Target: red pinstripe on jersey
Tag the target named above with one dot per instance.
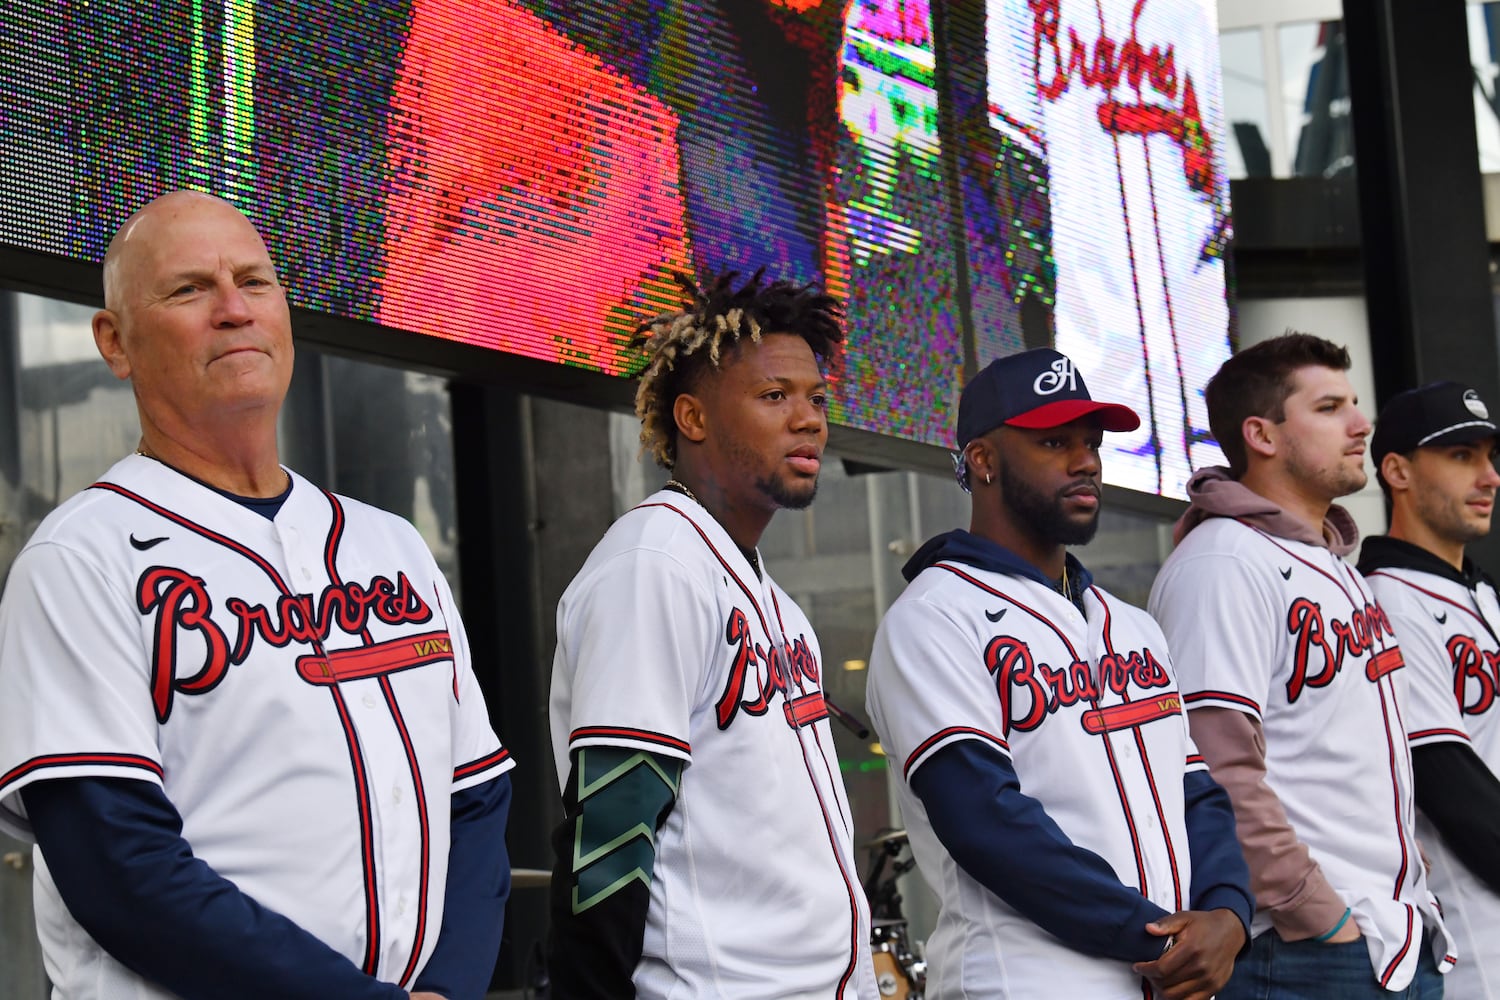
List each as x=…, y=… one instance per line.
x=430, y=648
x=48, y=761
x=949, y=733
x=1158, y=707
x=1211, y=695
x=484, y=763
x=627, y=733
x=1421, y=734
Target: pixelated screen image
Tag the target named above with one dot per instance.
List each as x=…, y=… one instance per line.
x=1097, y=209
x=527, y=175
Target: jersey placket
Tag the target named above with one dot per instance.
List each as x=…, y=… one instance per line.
x=1163, y=859
x=379, y=772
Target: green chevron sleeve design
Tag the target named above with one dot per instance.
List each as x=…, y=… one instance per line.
x=623, y=797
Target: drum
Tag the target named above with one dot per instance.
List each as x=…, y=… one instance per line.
x=889, y=977
x=899, y=974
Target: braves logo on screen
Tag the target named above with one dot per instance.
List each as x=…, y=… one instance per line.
x=1045, y=690
x=778, y=670
x=1476, y=675
x=1333, y=641
x=180, y=605
x=1165, y=103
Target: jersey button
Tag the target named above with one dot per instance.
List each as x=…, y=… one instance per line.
x=396, y=794
x=400, y=905
x=369, y=701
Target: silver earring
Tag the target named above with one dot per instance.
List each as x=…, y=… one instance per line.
x=986, y=479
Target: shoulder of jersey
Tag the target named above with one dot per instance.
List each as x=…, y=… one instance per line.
x=80, y=519
x=956, y=597
x=653, y=529
x=1393, y=588
x=1122, y=611
x=359, y=514
x=1219, y=535
x=936, y=583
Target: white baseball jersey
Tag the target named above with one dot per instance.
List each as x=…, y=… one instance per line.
x=1450, y=638
x=668, y=642
x=1290, y=634
x=299, y=688
x=1121, y=98
x=1086, y=709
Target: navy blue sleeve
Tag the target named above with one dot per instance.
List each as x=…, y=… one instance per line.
x=1005, y=840
x=1221, y=878
x=478, y=885
x=115, y=849
x=1461, y=796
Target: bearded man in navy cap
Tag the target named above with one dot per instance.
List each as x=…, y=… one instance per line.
x=1054, y=800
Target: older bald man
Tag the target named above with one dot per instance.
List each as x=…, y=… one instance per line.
x=237, y=712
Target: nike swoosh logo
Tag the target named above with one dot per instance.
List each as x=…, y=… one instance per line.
x=995, y=616
x=1442, y=619
x=142, y=544
x=1286, y=574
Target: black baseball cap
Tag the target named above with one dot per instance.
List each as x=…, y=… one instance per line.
x=1037, y=389
x=1441, y=413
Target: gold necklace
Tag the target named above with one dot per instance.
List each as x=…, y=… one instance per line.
x=751, y=556
x=679, y=487
x=1064, y=588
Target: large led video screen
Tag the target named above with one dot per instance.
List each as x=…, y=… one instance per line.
x=527, y=175
x=1098, y=209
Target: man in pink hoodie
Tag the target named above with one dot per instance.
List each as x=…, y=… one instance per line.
x=1289, y=670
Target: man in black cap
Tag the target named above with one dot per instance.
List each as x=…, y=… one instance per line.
x=1434, y=451
x=1054, y=800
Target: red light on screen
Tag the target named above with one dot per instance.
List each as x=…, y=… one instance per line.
x=533, y=190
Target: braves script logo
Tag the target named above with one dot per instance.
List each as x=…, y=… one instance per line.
x=1472, y=664
x=1170, y=110
x=1047, y=689
x=1366, y=628
x=777, y=671
x=181, y=605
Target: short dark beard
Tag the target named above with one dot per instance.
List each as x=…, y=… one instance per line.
x=783, y=497
x=1041, y=515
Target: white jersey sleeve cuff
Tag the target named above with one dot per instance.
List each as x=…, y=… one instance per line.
x=635, y=739
x=947, y=737
x=48, y=767
x=1428, y=737
x=1222, y=699
x=477, y=772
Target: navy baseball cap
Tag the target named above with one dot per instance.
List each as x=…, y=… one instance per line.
x=1037, y=389
x=1439, y=413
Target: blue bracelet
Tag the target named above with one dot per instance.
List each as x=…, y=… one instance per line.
x=1336, y=927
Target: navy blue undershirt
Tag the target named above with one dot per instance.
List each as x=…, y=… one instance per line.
x=116, y=852
x=266, y=507
x=1004, y=839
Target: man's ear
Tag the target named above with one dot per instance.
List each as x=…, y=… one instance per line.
x=690, y=417
x=109, y=339
x=982, y=461
x=1395, y=469
x=1260, y=436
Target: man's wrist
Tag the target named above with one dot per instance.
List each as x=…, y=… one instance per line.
x=1324, y=937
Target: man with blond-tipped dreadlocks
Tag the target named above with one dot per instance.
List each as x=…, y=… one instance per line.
x=707, y=845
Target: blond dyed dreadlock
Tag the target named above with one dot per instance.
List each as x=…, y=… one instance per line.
x=682, y=346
